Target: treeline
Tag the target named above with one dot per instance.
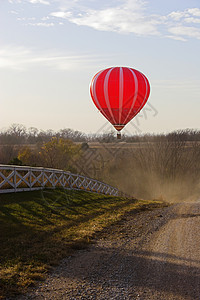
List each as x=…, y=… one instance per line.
x=18, y=134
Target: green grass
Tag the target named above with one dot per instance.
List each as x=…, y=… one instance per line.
x=38, y=229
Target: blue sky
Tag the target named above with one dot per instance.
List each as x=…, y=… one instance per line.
x=50, y=50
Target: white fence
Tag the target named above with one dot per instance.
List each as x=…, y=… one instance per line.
x=21, y=178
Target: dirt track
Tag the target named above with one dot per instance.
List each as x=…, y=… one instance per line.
x=148, y=255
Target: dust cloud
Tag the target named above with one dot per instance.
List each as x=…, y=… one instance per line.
x=168, y=170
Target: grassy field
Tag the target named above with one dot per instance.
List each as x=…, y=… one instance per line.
x=38, y=229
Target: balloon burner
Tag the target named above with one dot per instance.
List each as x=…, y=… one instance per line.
x=119, y=136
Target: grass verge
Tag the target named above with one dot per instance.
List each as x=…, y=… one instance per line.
x=38, y=229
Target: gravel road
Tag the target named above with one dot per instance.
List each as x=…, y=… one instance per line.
x=153, y=254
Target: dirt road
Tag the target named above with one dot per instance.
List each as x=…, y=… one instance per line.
x=148, y=255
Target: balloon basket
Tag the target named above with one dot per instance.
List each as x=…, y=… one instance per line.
x=119, y=136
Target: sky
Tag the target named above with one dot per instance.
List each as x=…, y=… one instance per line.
x=51, y=49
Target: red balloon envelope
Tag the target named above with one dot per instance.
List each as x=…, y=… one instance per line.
x=119, y=94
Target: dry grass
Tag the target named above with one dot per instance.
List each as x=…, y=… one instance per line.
x=40, y=228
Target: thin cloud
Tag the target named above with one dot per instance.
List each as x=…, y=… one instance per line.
x=61, y=14
x=14, y=12
x=122, y=16
x=179, y=22
x=192, y=20
x=39, y=2
x=42, y=24
x=30, y=1
x=132, y=17
x=194, y=11
x=186, y=31
x=177, y=15
x=174, y=84
x=118, y=21
x=128, y=17
x=21, y=59
x=14, y=1
x=177, y=38
x=185, y=14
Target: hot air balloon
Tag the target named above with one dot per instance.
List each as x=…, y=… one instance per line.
x=119, y=93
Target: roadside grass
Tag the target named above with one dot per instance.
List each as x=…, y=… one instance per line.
x=39, y=228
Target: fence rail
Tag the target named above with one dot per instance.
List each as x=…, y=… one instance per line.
x=23, y=178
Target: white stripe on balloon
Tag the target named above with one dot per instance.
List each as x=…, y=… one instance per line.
x=145, y=80
x=106, y=94
x=135, y=95
x=121, y=91
x=95, y=94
